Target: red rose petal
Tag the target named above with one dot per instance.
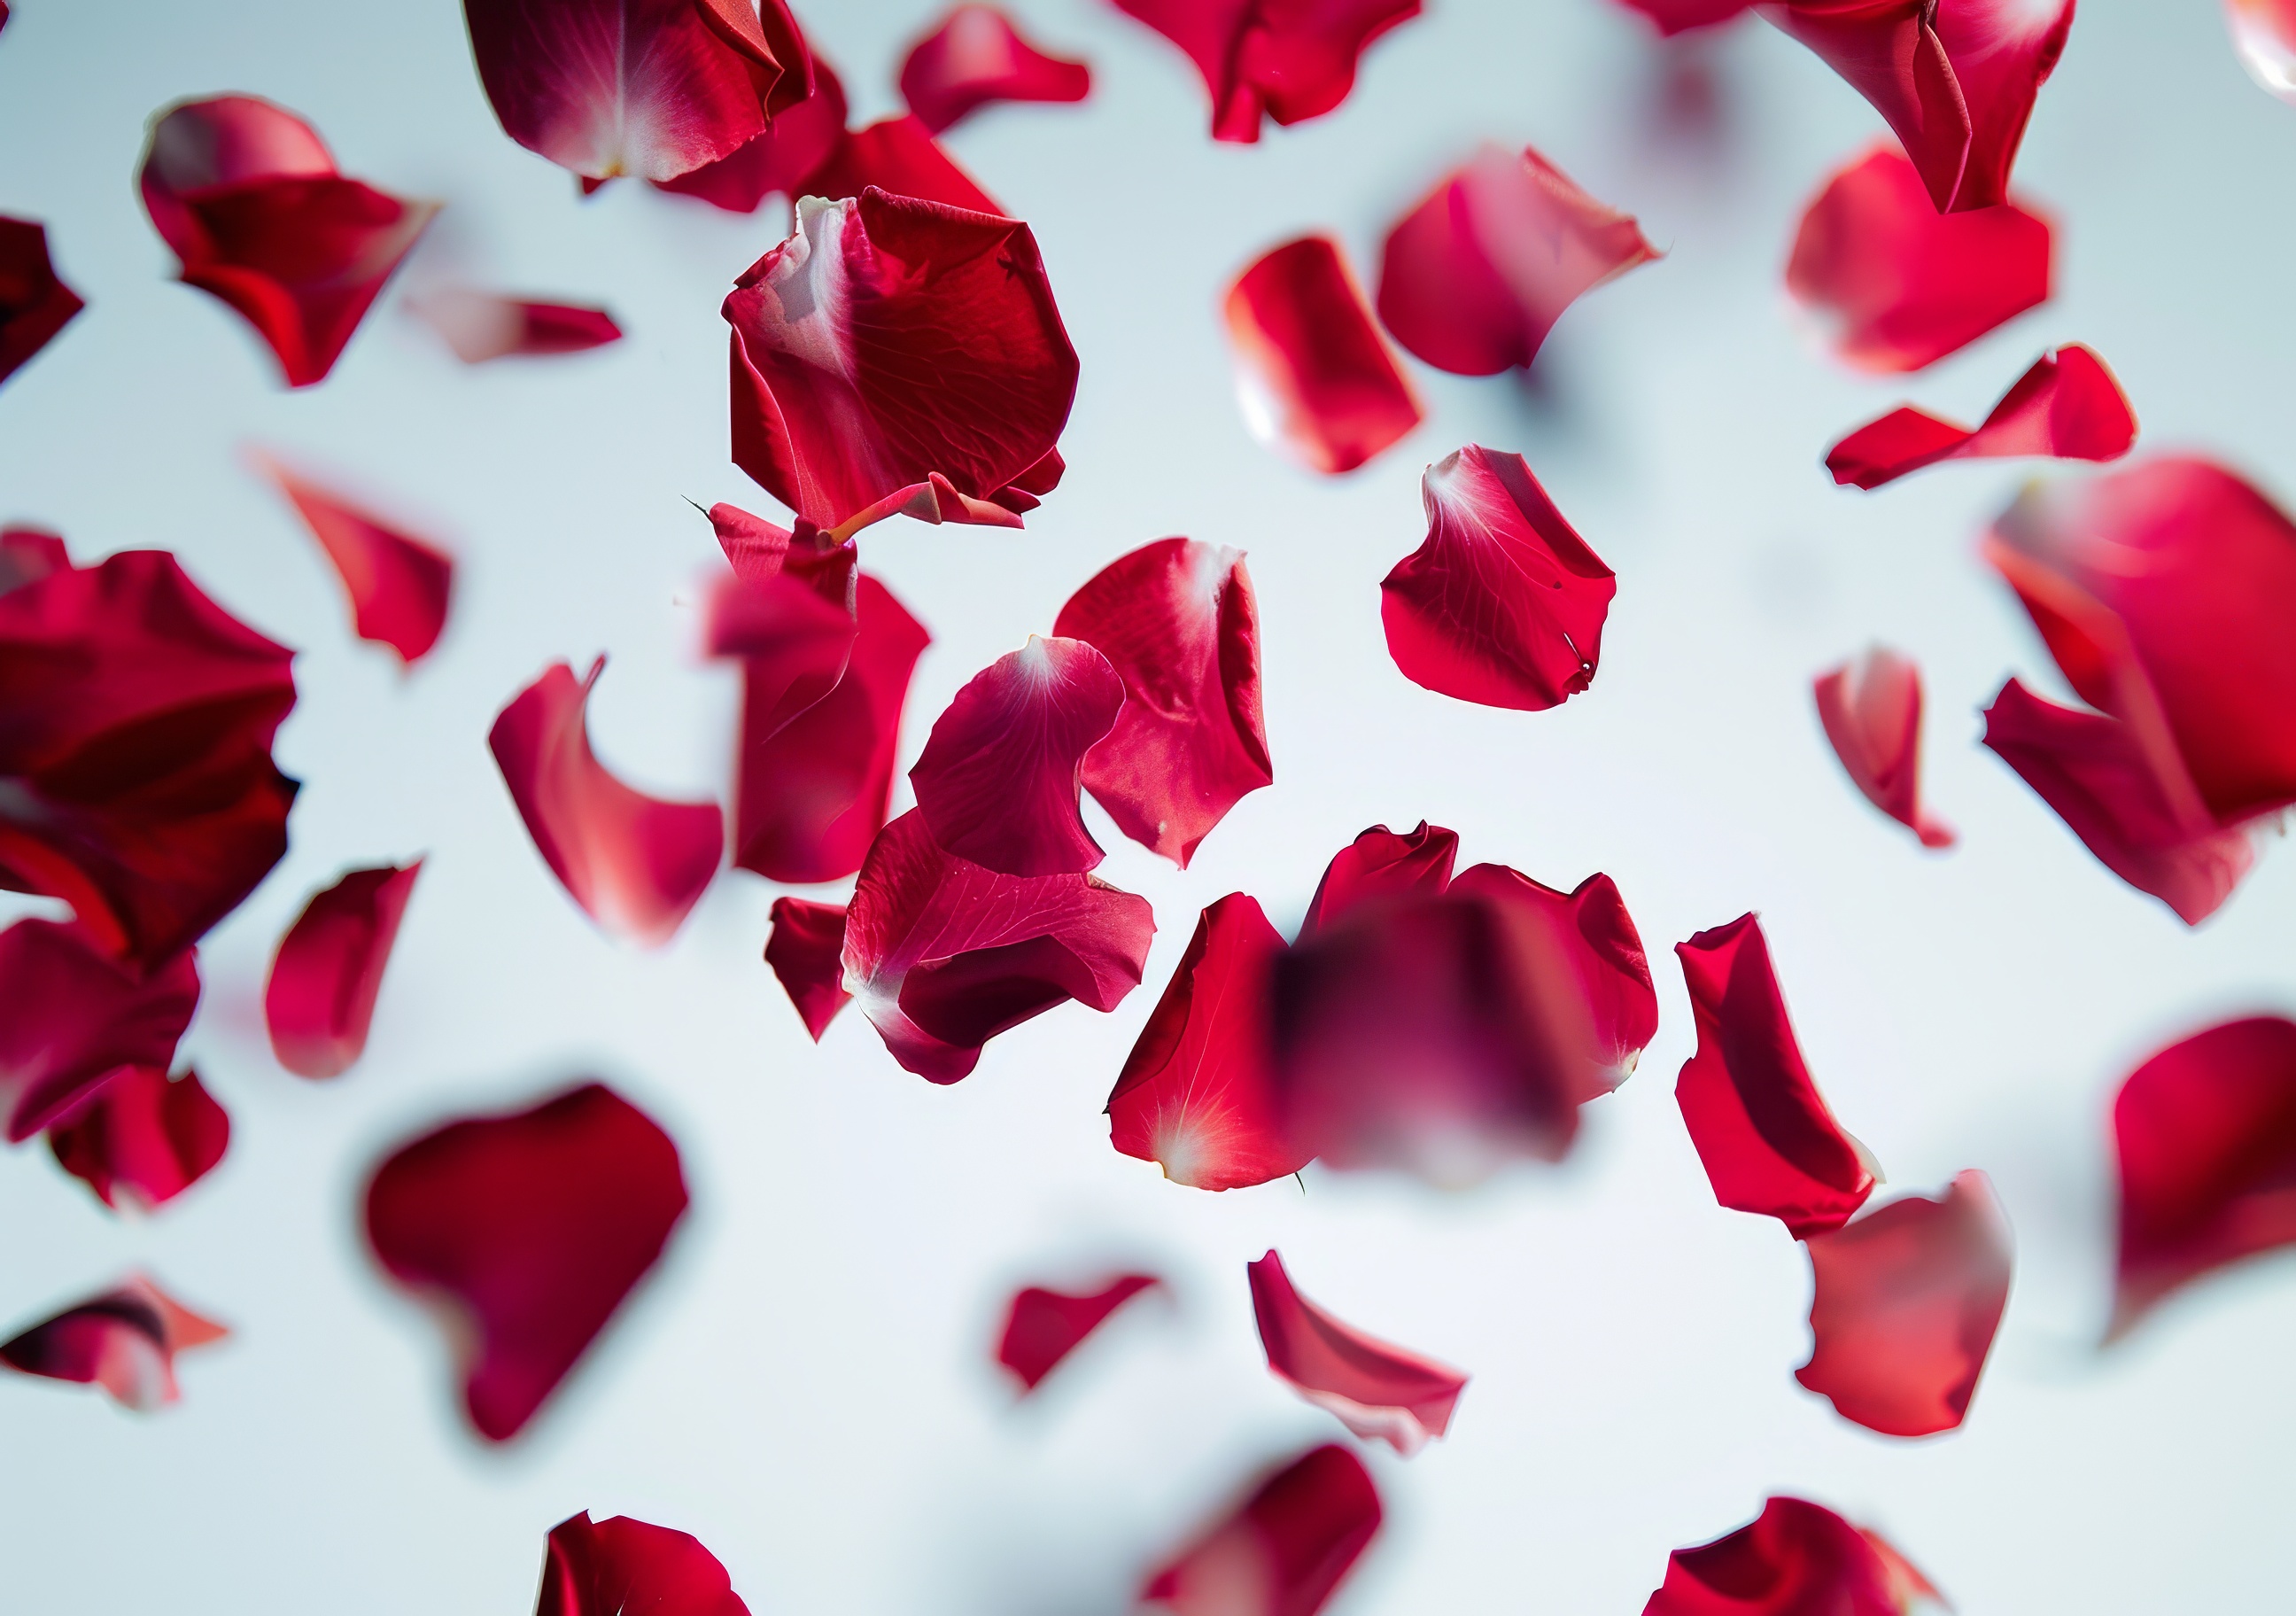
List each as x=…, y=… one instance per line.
x=1316, y=383
x=1595, y=934
x=778, y=163
x=398, y=586
x=945, y=955
x=1196, y=1094
x=531, y=1228
x=29, y=554
x=2264, y=36
x=72, y=1016
x=1475, y=276
x=1042, y=1327
x=899, y=156
x=619, y=1567
x=1281, y=1552
x=1768, y=1141
x=998, y=780
x=794, y=645
x=807, y=953
x=1378, y=1392
x=141, y=1137
x=35, y=305
x=1672, y=17
x=1503, y=603
x=1287, y=60
x=1381, y=864
x=975, y=56
x=635, y=862
x=1871, y=711
x=124, y=1341
x=1795, y=1559
x=1899, y=285
x=483, y=325
x=2068, y=406
x=320, y=998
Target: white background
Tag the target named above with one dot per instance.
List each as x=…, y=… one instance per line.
x=805, y=1382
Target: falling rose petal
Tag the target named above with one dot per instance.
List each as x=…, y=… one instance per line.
x=804, y=136
x=29, y=554
x=945, y=955
x=247, y=196
x=807, y=953
x=1595, y=934
x=794, y=645
x=72, y=1016
x=1795, y=1559
x=1287, y=60
x=483, y=325
x=1378, y=1392
x=1381, y=864
x=320, y=998
x=1897, y=284
x=1672, y=17
x=1768, y=1141
x=1503, y=603
x=398, y=586
x=973, y=57
x=1042, y=1327
x=1313, y=379
x=755, y=548
x=142, y=1137
x=530, y=1230
x=35, y=304
x=124, y=1341
x=900, y=157
x=1475, y=276
x=890, y=340
x=1871, y=707
x=2068, y=406
x=998, y=780
x=618, y=1566
x=1281, y=1552
x=1196, y=1095
x=2264, y=35
x=635, y=862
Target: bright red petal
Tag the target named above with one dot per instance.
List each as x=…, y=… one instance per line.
x=1316, y=383
x=483, y=325
x=794, y=645
x=1287, y=60
x=807, y=953
x=71, y=1017
x=803, y=137
x=1281, y=1552
x=975, y=57
x=1795, y=1559
x=1871, y=711
x=1380, y=863
x=2068, y=406
x=141, y=1137
x=124, y=1341
x=35, y=305
x=29, y=554
x=1042, y=1327
x=530, y=1230
x=899, y=156
x=1378, y=1392
x=620, y=1567
x=1672, y=17
x=320, y=998
x=398, y=586
x=1595, y=934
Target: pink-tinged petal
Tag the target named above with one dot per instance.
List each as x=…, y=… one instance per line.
x=142, y=1137
x=807, y=953
x=945, y=955
x=528, y=1231
x=35, y=304
x=1380, y=863
x=1281, y=1552
x=1476, y=276
x=1179, y=622
x=1872, y=710
x=974, y=56
x=1672, y=17
x=1795, y=1559
x=778, y=163
x=1899, y=285
x=1597, y=935
x=999, y=781
x=794, y=645
x=1313, y=379
x=483, y=325
x=1503, y=603
x=320, y=998
x=635, y=862
x=1287, y=60
x=399, y=586
x=124, y=1341
x=1907, y=1301
x=2264, y=34
x=2068, y=407
x=1196, y=1096
x=622, y=1567
x=1379, y=1391
x=29, y=554
x=1768, y=1141
x=1042, y=1327
x=890, y=338
x=900, y=157
x=755, y=548
x=72, y=1016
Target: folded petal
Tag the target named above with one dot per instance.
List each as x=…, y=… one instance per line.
x=72, y=1017
x=1287, y=60
x=1597, y=936
x=635, y=862
x=619, y=1566
x=1871, y=711
x=1281, y=1552
x=899, y=156
x=1042, y=1327
x=945, y=955
x=1379, y=1391
x=35, y=304
x=528, y=1231
x=1899, y=285
x=1475, y=276
x=141, y=1137
x=794, y=641
x=1380, y=863
x=807, y=953
x=124, y=1341
x=975, y=56
x=1313, y=379
x=2264, y=34
x=1768, y=1141
x=398, y=586
x=483, y=325
x=778, y=163
x=2068, y=406
x=320, y=999
x=1503, y=603
x=1795, y=1559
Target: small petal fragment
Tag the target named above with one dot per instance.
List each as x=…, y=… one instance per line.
x=1795, y=1559
x=29, y=554
x=2264, y=34
x=1871, y=711
x=1381, y=864
x=320, y=999
x=398, y=586
x=1287, y=60
x=807, y=953
x=35, y=304
x=72, y=1016
x=900, y=157
x=804, y=136
x=2068, y=407
x=483, y=325
x=1042, y=1327
x=142, y=1137
x=1313, y=377
x=620, y=1567
x=124, y=1341
x=1283, y=1551
x=974, y=57
x=1597, y=935
x=530, y=1230
x=1378, y=1392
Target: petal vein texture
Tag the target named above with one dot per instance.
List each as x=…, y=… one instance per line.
x=624, y=1567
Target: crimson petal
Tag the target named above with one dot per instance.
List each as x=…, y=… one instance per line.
x=141, y=1137
x=1672, y=17
x=899, y=156
x=1381, y=864
x=1042, y=1327
x=618, y=1566
x=29, y=554
x=1795, y=1559
x=35, y=304
x=1871, y=709
x=1281, y=1552
x=1597, y=935
x=72, y=1017
x=807, y=953
x=320, y=999
x=124, y=1341
x=778, y=163
x=1316, y=383
x=2068, y=406
x=398, y=586
x=1287, y=60
x=483, y=325
x=975, y=56
x=1377, y=1390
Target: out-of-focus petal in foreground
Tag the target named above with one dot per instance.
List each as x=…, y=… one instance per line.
x=483, y=325
x=1502, y=604
x=1379, y=1391
x=1795, y=1559
x=247, y=196
x=124, y=1341
x=70, y=1016
x=1672, y=17
x=777, y=163
x=2067, y=407
x=1380, y=863
x=399, y=586
x=1042, y=1327
x=142, y=1137
x=1592, y=932
x=807, y=950
x=1871, y=707
x=1768, y=1141
x=35, y=304
x=1313, y=376
x=1475, y=276
x=1287, y=60
x=900, y=157
x=1283, y=1551
x=29, y=554
x=319, y=1001
x=622, y=1567
x=2264, y=34
x=975, y=56
x=635, y=862
x=1897, y=285
x=527, y=1231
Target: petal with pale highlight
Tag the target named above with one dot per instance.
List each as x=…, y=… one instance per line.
x=72, y=1016
x=804, y=136
x=974, y=57
x=620, y=1567
x=35, y=304
x=1871, y=709
x=142, y=1137
x=319, y=1001
x=1795, y=1559
x=1283, y=1551
x=1378, y=1392
x=1595, y=934
x=483, y=325
x=398, y=586
x=807, y=953
x=124, y=1341
x=900, y=157
x=1382, y=864
x=1042, y=1327
x=1313, y=377
x=1287, y=60
x=2264, y=35
x=2068, y=407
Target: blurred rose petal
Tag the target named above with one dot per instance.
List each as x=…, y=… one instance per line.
x=320, y=999
x=483, y=325
x=899, y=156
x=1672, y=17
x=124, y=1341
x=1595, y=934
x=1795, y=1559
x=1281, y=1552
x=778, y=163
x=2264, y=34
x=398, y=586
x=1287, y=60
x=807, y=953
x=142, y=1137
x=622, y=1567
x=1042, y=1327
x=72, y=1016
x=29, y=554
x=1378, y=1392
x=1381, y=864
x=1313, y=377
x=35, y=305
x=2068, y=406
x=1871, y=707
x=973, y=57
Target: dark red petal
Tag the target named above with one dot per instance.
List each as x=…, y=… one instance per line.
x=1287, y=60
x=1196, y=1094
x=793, y=645
x=1795, y=1559
x=1595, y=934
x=141, y=1137
x=529, y=1229
x=35, y=305
x=1768, y=1141
x=620, y=1567
x=124, y=1341
x=1281, y=1552
x=2068, y=406
x=778, y=163
x=1042, y=1327
x=1377, y=1390
x=320, y=998
x=1672, y=17
x=806, y=952
x=1899, y=285
x=1380, y=863
x=398, y=586
x=944, y=954
x=635, y=862
x=974, y=56
x=72, y=1016
x=899, y=156
x=1475, y=276
x=1871, y=711
x=483, y=325
x=1316, y=383
x=29, y=554
x=889, y=340
x=998, y=780
x=1503, y=603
